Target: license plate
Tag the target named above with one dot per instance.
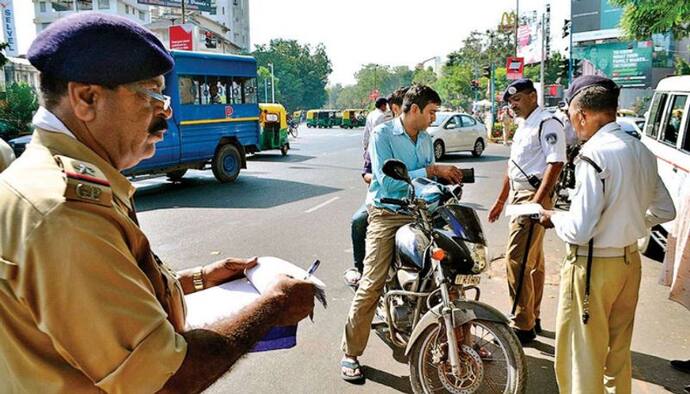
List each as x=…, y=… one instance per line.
x=467, y=280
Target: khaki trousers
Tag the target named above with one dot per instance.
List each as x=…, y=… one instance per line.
x=594, y=358
x=529, y=304
x=380, y=246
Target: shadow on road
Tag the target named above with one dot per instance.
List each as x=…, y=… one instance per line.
x=245, y=192
x=277, y=157
x=399, y=383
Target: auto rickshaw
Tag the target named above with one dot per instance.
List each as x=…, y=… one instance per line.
x=297, y=116
x=311, y=118
x=337, y=119
x=274, y=128
x=323, y=118
x=352, y=118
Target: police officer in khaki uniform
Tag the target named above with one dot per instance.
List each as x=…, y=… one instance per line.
x=536, y=158
x=85, y=306
x=618, y=196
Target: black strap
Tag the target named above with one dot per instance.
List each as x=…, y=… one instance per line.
x=523, y=268
x=590, y=249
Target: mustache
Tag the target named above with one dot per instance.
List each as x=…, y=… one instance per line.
x=158, y=125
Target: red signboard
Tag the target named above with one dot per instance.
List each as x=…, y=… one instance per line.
x=514, y=67
x=181, y=37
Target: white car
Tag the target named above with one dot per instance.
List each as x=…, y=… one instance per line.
x=457, y=132
x=631, y=125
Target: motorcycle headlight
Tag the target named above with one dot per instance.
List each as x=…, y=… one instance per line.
x=480, y=256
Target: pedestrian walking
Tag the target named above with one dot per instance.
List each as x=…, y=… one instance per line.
x=618, y=197
x=536, y=158
x=506, y=119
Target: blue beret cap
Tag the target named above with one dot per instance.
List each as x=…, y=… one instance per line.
x=98, y=48
x=516, y=86
x=586, y=81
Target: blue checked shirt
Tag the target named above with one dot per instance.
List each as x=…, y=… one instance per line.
x=390, y=141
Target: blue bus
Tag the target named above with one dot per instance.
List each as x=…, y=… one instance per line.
x=215, y=117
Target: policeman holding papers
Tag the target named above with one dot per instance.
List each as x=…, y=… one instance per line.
x=536, y=158
x=618, y=196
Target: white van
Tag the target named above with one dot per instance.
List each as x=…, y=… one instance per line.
x=667, y=134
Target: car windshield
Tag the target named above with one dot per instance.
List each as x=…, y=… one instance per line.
x=440, y=118
x=640, y=124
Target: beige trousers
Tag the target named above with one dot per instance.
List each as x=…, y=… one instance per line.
x=594, y=358
x=380, y=247
x=529, y=303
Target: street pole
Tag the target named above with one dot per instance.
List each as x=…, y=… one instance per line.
x=543, y=55
x=517, y=24
x=493, y=94
x=570, y=51
x=183, y=10
x=265, y=90
x=273, y=84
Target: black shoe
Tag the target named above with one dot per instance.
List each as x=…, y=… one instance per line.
x=537, y=326
x=525, y=336
x=680, y=365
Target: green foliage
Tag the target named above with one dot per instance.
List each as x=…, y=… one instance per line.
x=424, y=77
x=300, y=71
x=3, y=58
x=642, y=18
x=17, y=110
x=371, y=76
x=682, y=66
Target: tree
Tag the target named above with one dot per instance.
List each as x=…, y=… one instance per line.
x=333, y=93
x=682, y=67
x=17, y=110
x=642, y=18
x=424, y=76
x=302, y=71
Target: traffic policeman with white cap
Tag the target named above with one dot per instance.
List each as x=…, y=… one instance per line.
x=536, y=158
x=618, y=196
x=85, y=305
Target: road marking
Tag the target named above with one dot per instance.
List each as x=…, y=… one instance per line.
x=323, y=204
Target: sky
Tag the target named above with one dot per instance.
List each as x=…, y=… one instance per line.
x=358, y=32
x=387, y=32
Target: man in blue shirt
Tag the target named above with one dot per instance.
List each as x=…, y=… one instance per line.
x=403, y=138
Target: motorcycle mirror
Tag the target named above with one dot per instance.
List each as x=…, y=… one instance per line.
x=397, y=170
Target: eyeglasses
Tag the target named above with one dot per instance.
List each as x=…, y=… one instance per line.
x=154, y=95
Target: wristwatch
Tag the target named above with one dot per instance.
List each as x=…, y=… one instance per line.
x=198, y=278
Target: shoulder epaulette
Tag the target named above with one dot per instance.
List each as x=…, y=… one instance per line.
x=85, y=182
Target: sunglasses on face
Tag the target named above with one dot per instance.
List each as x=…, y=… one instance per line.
x=154, y=95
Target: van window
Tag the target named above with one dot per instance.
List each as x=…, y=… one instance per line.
x=208, y=90
x=686, y=137
x=673, y=120
x=655, y=111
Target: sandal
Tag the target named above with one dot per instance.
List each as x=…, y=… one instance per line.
x=352, y=365
x=352, y=277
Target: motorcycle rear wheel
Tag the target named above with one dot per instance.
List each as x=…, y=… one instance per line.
x=501, y=370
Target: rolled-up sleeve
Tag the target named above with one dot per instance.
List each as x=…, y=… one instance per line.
x=88, y=295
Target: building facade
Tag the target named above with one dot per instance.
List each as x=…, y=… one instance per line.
x=48, y=11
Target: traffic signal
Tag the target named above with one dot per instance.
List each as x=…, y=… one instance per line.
x=577, y=68
x=566, y=28
x=486, y=71
x=210, y=42
x=563, y=69
x=475, y=84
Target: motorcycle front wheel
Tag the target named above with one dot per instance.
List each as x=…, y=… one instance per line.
x=492, y=361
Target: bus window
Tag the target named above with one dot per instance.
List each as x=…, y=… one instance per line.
x=249, y=88
x=673, y=119
x=188, y=90
x=657, y=108
x=235, y=91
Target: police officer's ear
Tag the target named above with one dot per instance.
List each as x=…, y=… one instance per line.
x=83, y=99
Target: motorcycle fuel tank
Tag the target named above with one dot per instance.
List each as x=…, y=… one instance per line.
x=410, y=243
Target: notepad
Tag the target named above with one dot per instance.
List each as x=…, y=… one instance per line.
x=533, y=210
x=208, y=306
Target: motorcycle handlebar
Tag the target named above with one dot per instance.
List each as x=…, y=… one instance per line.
x=393, y=201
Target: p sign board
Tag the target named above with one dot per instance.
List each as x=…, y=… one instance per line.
x=514, y=67
x=181, y=37
x=374, y=94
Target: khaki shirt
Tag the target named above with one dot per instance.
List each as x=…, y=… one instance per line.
x=84, y=306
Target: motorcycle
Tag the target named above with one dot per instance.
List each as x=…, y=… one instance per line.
x=454, y=344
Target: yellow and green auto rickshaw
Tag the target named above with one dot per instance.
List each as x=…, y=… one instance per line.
x=274, y=128
x=337, y=118
x=352, y=118
x=311, y=118
x=324, y=118
x=297, y=116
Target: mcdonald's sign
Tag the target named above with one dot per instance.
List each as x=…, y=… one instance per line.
x=508, y=21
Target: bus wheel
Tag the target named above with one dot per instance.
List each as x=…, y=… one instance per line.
x=176, y=176
x=226, y=163
x=284, y=150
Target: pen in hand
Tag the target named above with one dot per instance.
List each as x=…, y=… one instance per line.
x=310, y=271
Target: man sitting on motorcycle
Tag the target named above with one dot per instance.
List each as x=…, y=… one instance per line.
x=404, y=138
